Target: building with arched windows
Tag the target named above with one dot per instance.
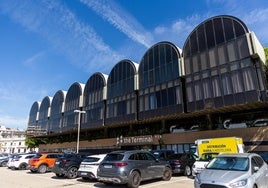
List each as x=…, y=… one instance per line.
x=223, y=65
x=160, y=81
x=95, y=95
x=122, y=87
x=218, y=75
x=56, y=112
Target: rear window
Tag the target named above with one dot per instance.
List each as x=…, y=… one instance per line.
x=37, y=156
x=91, y=159
x=114, y=157
x=175, y=156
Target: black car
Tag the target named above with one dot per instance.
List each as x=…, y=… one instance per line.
x=181, y=163
x=68, y=165
x=263, y=154
x=162, y=154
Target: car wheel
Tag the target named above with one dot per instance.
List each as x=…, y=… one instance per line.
x=134, y=180
x=59, y=175
x=72, y=172
x=23, y=166
x=187, y=171
x=42, y=169
x=4, y=164
x=167, y=174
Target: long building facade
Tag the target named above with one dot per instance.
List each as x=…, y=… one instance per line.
x=219, y=74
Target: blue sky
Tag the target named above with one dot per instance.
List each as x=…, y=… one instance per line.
x=46, y=46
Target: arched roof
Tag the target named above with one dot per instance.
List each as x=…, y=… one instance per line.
x=44, y=107
x=34, y=112
x=213, y=31
x=96, y=81
x=122, y=70
x=73, y=96
x=122, y=78
x=159, y=64
x=76, y=89
x=58, y=101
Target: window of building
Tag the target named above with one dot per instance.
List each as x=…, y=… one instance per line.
x=207, y=88
x=212, y=58
x=216, y=86
x=219, y=34
x=198, y=90
x=228, y=28
x=248, y=79
x=237, y=82
x=231, y=52
x=226, y=84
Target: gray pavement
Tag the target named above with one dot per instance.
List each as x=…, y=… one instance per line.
x=25, y=179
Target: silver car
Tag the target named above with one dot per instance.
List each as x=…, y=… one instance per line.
x=132, y=167
x=241, y=170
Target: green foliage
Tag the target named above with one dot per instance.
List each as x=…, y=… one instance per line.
x=266, y=54
x=35, y=142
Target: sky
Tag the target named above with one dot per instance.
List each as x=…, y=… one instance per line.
x=47, y=45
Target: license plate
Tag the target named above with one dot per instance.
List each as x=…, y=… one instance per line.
x=83, y=173
x=107, y=166
x=57, y=162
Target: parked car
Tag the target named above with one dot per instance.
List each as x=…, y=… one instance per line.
x=10, y=158
x=181, y=163
x=176, y=129
x=247, y=170
x=67, y=165
x=228, y=124
x=260, y=122
x=43, y=162
x=201, y=163
x=162, y=154
x=3, y=159
x=20, y=161
x=89, y=166
x=132, y=167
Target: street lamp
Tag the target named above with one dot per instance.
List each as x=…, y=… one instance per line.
x=79, y=125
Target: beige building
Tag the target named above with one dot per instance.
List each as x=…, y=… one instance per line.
x=12, y=140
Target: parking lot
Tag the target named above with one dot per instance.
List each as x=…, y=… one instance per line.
x=26, y=179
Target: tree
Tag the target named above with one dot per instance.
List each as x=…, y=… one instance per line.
x=32, y=143
x=266, y=54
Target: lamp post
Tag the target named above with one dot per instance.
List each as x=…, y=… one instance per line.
x=78, y=129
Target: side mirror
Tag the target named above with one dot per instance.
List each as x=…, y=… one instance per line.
x=256, y=168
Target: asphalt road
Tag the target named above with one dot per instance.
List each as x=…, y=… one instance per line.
x=26, y=179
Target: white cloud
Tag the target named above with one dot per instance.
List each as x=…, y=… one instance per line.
x=13, y=122
x=29, y=62
x=257, y=21
x=120, y=19
x=178, y=31
x=56, y=23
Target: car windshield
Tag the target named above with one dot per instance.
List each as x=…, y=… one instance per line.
x=229, y=163
x=208, y=156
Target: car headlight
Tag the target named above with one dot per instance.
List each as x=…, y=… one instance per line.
x=240, y=183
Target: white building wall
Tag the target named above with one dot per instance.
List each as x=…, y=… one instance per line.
x=12, y=140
